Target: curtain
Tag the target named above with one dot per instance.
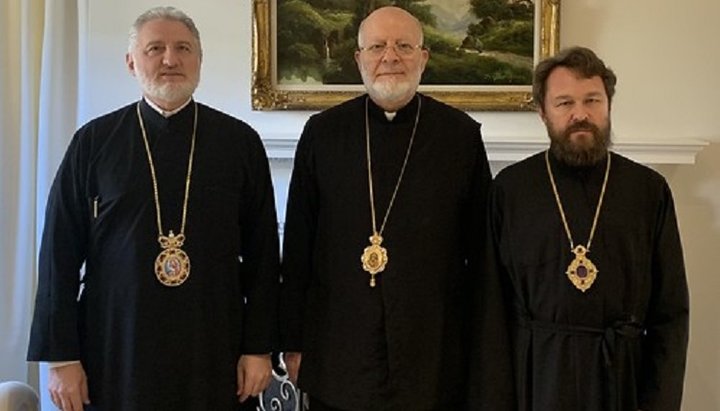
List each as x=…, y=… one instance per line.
x=39, y=54
x=21, y=23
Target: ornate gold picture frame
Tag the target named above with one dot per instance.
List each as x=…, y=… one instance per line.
x=269, y=94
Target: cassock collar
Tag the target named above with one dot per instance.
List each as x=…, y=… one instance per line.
x=404, y=115
x=166, y=113
x=179, y=121
x=585, y=173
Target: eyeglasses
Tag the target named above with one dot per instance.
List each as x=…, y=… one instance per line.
x=401, y=49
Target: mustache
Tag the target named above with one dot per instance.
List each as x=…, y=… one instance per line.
x=582, y=125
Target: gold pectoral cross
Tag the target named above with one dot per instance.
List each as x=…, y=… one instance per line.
x=374, y=258
x=581, y=271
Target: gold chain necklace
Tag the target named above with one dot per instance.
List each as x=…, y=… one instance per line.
x=374, y=258
x=581, y=271
x=172, y=265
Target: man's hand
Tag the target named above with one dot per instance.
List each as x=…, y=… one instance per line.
x=253, y=375
x=68, y=387
x=292, y=362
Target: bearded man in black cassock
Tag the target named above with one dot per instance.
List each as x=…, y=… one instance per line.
x=382, y=237
x=169, y=204
x=587, y=244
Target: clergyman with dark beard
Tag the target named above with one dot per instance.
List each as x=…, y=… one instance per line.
x=586, y=244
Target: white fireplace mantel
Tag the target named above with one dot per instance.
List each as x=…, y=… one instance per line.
x=281, y=146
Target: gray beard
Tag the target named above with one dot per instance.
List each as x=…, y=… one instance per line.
x=167, y=92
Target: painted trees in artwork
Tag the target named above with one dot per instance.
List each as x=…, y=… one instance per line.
x=502, y=26
x=471, y=41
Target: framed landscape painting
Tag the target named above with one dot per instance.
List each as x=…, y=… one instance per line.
x=482, y=52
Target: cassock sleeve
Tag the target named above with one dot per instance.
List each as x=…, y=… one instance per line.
x=667, y=320
x=260, y=255
x=54, y=332
x=491, y=385
x=298, y=244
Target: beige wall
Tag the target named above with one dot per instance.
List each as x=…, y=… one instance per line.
x=697, y=200
x=667, y=57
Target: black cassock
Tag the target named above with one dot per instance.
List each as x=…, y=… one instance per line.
x=402, y=344
x=622, y=344
x=143, y=345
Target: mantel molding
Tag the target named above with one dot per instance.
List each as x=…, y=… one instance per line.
x=281, y=147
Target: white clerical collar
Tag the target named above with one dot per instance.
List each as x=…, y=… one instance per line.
x=165, y=113
x=390, y=115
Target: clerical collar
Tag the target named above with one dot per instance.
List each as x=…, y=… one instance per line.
x=405, y=114
x=165, y=113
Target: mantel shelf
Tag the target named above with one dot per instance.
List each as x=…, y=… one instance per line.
x=281, y=147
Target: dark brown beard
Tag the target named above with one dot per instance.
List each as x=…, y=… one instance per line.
x=562, y=147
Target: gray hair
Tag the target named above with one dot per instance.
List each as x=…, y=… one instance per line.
x=164, y=13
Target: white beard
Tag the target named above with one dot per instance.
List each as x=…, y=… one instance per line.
x=389, y=90
x=167, y=91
